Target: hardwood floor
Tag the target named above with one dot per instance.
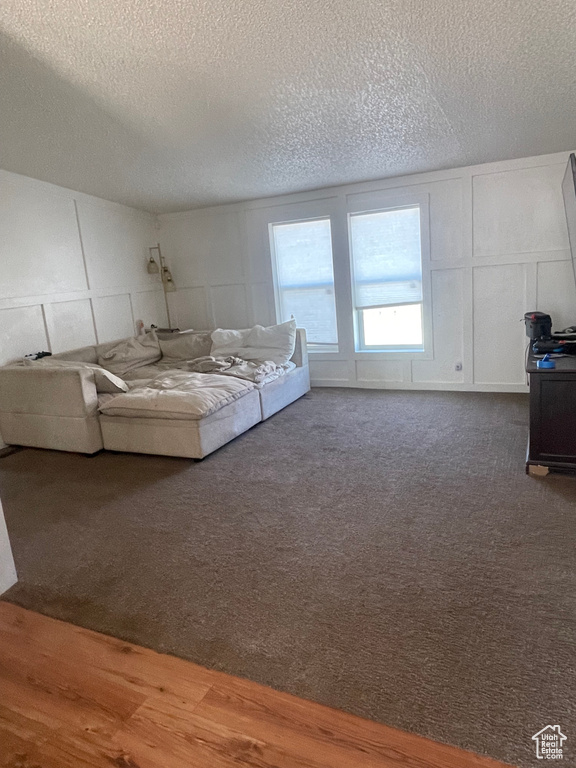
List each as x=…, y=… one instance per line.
x=71, y=698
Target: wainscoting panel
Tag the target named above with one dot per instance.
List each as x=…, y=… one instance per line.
x=113, y=317
x=229, y=306
x=40, y=248
x=263, y=308
x=187, y=239
x=447, y=321
x=222, y=264
x=332, y=372
x=191, y=308
x=116, y=242
x=23, y=332
x=380, y=370
x=499, y=306
x=149, y=307
x=519, y=211
x=446, y=220
x=70, y=324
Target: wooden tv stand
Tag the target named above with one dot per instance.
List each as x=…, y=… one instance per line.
x=552, y=442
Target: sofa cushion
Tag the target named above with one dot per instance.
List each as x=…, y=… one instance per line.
x=131, y=353
x=81, y=355
x=106, y=346
x=178, y=395
x=144, y=373
x=185, y=346
x=106, y=382
x=275, y=343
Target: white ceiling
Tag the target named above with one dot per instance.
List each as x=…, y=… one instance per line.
x=173, y=104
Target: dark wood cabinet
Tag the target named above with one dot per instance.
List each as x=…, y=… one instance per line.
x=552, y=442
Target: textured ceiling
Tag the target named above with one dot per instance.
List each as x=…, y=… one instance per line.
x=173, y=104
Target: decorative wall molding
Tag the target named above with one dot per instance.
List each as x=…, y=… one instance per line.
x=499, y=248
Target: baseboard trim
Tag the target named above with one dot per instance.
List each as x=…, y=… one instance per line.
x=421, y=387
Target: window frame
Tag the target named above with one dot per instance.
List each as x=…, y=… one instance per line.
x=389, y=200
x=363, y=347
x=326, y=351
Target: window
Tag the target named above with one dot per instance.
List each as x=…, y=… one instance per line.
x=305, y=279
x=387, y=278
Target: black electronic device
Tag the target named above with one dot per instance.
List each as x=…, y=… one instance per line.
x=560, y=346
x=566, y=335
x=538, y=325
x=38, y=355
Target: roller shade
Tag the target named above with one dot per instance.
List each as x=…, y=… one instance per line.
x=305, y=277
x=386, y=257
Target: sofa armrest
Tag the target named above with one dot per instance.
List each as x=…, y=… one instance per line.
x=300, y=356
x=48, y=392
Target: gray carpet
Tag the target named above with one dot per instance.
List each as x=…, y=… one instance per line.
x=380, y=552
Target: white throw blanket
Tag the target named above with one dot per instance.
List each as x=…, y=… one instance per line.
x=229, y=366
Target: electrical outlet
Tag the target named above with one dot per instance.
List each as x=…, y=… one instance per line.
x=458, y=367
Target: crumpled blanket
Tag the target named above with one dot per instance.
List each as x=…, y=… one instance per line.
x=178, y=395
x=229, y=366
x=211, y=364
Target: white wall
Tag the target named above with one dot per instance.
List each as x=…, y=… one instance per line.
x=498, y=248
x=7, y=569
x=72, y=269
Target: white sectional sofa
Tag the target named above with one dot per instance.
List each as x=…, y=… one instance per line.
x=60, y=408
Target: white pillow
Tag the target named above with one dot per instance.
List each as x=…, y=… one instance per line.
x=226, y=342
x=275, y=343
x=131, y=354
x=105, y=381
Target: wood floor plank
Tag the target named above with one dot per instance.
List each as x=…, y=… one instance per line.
x=324, y=733
x=67, y=687
x=72, y=698
x=139, y=669
x=62, y=750
x=183, y=739
x=17, y=752
x=21, y=737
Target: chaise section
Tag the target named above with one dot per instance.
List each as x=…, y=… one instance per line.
x=190, y=438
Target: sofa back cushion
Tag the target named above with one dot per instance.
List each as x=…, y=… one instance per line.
x=275, y=343
x=185, y=346
x=81, y=355
x=130, y=354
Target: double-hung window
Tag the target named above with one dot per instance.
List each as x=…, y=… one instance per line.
x=386, y=252
x=304, y=279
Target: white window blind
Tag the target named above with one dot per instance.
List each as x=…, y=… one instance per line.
x=386, y=257
x=305, y=277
